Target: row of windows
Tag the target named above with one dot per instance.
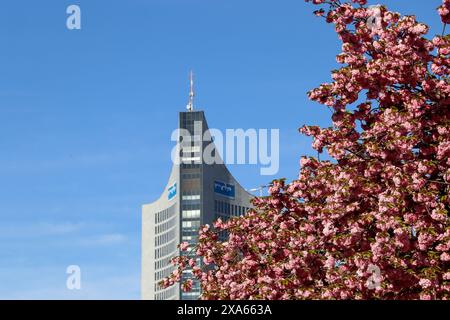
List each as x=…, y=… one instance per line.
x=191, y=137
x=191, y=116
x=190, y=238
x=191, y=214
x=165, y=214
x=190, y=123
x=165, y=237
x=189, y=160
x=190, y=295
x=190, y=232
x=190, y=197
x=166, y=225
x=190, y=165
x=188, y=149
x=164, y=262
x=190, y=175
x=191, y=205
x=229, y=208
x=195, y=224
x=165, y=250
x=169, y=293
x=164, y=273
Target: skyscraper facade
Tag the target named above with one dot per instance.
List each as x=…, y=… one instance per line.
x=198, y=192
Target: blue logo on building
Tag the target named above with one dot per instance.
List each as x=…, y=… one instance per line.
x=224, y=189
x=172, y=191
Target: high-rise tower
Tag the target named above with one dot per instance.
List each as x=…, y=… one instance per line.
x=197, y=193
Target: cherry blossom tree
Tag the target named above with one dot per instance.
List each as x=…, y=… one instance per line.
x=374, y=222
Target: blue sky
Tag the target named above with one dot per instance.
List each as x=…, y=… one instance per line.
x=86, y=117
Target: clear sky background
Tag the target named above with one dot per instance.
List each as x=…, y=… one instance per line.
x=86, y=118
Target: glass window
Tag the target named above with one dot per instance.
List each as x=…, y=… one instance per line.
x=191, y=197
x=191, y=224
x=190, y=214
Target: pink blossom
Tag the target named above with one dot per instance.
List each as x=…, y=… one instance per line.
x=425, y=283
x=445, y=256
x=381, y=202
x=183, y=246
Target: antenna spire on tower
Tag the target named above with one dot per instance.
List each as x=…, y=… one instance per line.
x=190, y=105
